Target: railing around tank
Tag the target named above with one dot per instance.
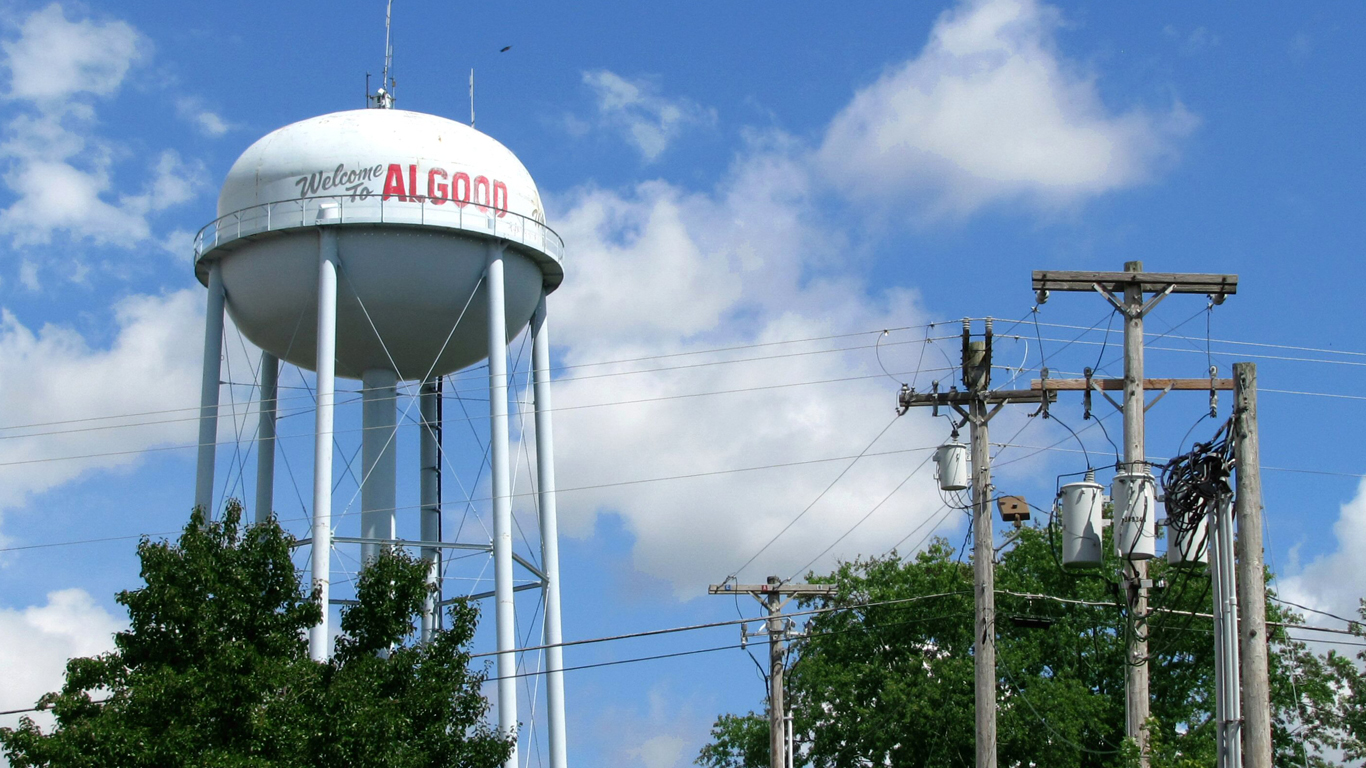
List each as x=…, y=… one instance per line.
x=347, y=209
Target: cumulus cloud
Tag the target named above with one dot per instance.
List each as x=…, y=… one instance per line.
x=989, y=111
x=647, y=120
x=1335, y=582
x=35, y=643
x=660, y=734
x=662, y=271
x=54, y=58
x=54, y=375
x=59, y=169
x=205, y=120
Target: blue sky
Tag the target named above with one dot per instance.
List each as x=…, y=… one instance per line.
x=779, y=180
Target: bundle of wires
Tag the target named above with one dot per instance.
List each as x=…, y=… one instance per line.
x=1196, y=483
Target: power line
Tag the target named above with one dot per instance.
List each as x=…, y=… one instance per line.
x=592, y=487
x=1238, y=343
x=819, y=496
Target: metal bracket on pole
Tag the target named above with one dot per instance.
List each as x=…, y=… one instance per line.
x=1154, y=301
x=1160, y=395
x=1096, y=386
x=1110, y=297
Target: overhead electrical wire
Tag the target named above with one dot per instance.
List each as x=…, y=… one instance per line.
x=471, y=371
x=814, y=501
x=571, y=489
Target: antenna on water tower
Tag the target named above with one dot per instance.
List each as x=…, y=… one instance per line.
x=384, y=99
x=471, y=97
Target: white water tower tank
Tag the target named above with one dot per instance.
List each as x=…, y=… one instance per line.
x=1080, y=505
x=951, y=465
x=390, y=246
x=414, y=200
x=1135, y=523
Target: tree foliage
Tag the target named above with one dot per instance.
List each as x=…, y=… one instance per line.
x=214, y=669
x=1351, y=683
x=889, y=681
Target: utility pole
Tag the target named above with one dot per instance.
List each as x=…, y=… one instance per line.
x=1133, y=283
x=1251, y=571
x=774, y=595
x=978, y=397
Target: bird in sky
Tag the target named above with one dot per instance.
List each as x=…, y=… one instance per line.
x=505, y=49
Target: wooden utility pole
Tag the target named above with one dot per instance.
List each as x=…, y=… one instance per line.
x=978, y=397
x=1247, y=507
x=1133, y=283
x=774, y=595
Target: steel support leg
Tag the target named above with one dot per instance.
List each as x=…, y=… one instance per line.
x=318, y=635
x=265, y=437
x=208, y=391
x=550, y=536
x=505, y=615
x=379, y=459
x=430, y=492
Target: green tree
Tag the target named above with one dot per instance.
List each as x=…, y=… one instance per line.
x=1348, y=678
x=214, y=669
x=889, y=681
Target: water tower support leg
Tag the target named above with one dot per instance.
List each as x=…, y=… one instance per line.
x=379, y=458
x=265, y=438
x=208, y=391
x=550, y=535
x=505, y=609
x=322, y=436
x=430, y=492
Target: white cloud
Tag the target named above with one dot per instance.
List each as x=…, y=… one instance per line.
x=647, y=120
x=662, y=271
x=990, y=111
x=178, y=243
x=28, y=276
x=1335, y=582
x=54, y=58
x=207, y=121
x=35, y=643
x=662, y=734
x=54, y=375
x=57, y=166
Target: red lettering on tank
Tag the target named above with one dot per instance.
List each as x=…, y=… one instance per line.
x=487, y=201
x=437, y=193
x=500, y=204
x=460, y=196
x=393, y=183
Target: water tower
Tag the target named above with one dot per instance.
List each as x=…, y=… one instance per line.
x=388, y=246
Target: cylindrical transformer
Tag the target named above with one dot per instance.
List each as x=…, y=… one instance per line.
x=1135, y=498
x=951, y=461
x=1189, y=548
x=1080, y=505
